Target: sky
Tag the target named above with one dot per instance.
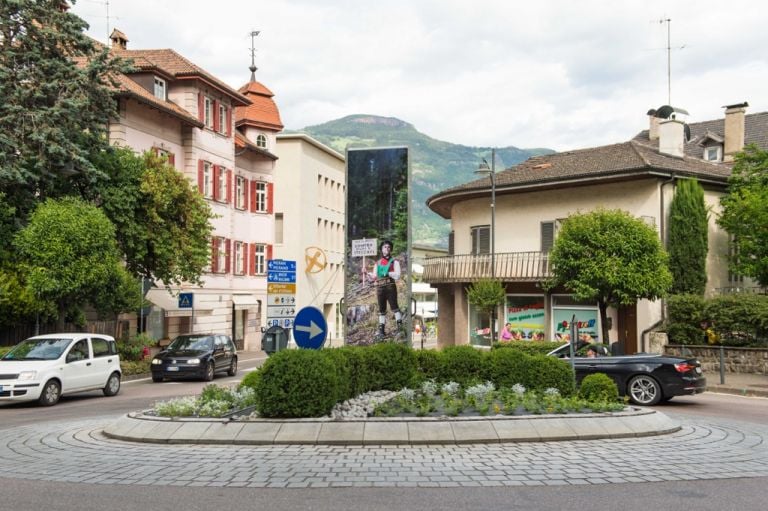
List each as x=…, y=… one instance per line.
x=558, y=74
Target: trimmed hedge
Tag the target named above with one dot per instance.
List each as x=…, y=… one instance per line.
x=685, y=314
x=529, y=347
x=598, y=387
x=463, y=364
x=733, y=320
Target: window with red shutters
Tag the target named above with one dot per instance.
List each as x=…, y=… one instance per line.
x=229, y=186
x=269, y=252
x=228, y=264
x=216, y=120
x=252, y=201
x=252, y=260
x=214, y=254
x=270, y=188
x=172, y=159
x=229, y=122
x=200, y=107
x=200, y=177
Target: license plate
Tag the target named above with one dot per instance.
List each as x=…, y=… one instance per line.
x=698, y=370
x=172, y=368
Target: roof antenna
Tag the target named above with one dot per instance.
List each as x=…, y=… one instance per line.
x=668, y=21
x=253, y=67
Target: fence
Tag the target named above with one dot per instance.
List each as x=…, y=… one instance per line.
x=10, y=336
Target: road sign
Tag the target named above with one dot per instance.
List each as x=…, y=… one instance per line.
x=186, y=300
x=275, y=288
x=364, y=247
x=281, y=265
x=283, y=277
x=281, y=292
x=310, y=328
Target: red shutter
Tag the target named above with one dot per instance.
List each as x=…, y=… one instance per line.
x=200, y=177
x=229, y=186
x=246, y=195
x=216, y=171
x=216, y=120
x=200, y=107
x=229, y=121
x=215, y=255
x=172, y=159
x=269, y=252
x=228, y=256
x=252, y=205
x=252, y=260
x=270, y=188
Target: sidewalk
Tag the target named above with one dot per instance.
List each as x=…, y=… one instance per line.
x=738, y=383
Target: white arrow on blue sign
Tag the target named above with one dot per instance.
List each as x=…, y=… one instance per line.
x=281, y=265
x=285, y=277
x=310, y=328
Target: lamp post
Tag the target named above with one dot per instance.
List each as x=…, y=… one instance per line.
x=483, y=168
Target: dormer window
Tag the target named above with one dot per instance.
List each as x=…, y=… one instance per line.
x=712, y=153
x=160, y=88
x=261, y=141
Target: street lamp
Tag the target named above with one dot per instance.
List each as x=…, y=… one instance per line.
x=483, y=168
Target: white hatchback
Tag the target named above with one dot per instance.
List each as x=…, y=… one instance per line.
x=45, y=367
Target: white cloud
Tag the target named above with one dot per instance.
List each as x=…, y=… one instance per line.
x=553, y=74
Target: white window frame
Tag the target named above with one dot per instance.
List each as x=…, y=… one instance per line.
x=207, y=180
x=717, y=150
x=260, y=259
x=240, y=251
x=221, y=255
x=240, y=192
x=222, y=185
x=208, y=112
x=261, y=197
x=261, y=141
x=222, y=119
x=160, y=88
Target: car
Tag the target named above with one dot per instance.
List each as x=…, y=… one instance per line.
x=195, y=356
x=45, y=367
x=646, y=378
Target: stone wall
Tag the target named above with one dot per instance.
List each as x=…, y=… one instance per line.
x=736, y=360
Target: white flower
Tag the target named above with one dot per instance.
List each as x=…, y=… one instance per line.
x=429, y=387
x=408, y=394
x=518, y=389
x=552, y=392
x=451, y=388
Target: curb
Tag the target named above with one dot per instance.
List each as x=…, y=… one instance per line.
x=745, y=391
x=634, y=422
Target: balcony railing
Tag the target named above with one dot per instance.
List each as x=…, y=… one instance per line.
x=510, y=266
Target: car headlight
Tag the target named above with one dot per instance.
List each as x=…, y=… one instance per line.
x=156, y=361
x=193, y=361
x=27, y=375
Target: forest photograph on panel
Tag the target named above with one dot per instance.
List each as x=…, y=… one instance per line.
x=377, y=279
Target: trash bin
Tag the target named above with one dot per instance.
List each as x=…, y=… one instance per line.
x=274, y=339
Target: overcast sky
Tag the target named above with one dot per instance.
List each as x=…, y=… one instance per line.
x=558, y=74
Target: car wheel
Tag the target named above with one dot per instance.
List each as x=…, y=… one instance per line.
x=113, y=385
x=51, y=393
x=210, y=370
x=233, y=367
x=157, y=378
x=644, y=390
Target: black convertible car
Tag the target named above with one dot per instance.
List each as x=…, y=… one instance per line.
x=647, y=378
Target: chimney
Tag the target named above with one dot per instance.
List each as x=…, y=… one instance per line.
x=119, y=40
x=653, y=124
x=734, y=130
x=671, y=137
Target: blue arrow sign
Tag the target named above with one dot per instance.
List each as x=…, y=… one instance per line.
x=310, y=328
x=281, y=265
x=186, y=300
x=285, y=277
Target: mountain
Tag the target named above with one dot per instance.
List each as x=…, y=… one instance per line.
x=435, y=165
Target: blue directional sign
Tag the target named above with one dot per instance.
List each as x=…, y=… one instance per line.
x=186, y=300
x=284, y=277
x=310, y=328
x=281, y=265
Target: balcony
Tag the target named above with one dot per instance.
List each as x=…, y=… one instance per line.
x=510, y=267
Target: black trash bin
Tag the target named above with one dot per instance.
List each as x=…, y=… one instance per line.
x=274, y=339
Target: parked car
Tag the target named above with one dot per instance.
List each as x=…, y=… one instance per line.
x=195, y=356
x=45, y=367
x=647, y=378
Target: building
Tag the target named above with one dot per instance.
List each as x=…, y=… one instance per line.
x=310, y=191
x=532, y=198
x=222, y=140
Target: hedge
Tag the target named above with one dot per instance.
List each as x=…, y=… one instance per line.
x=732, y=320
x=530, y=347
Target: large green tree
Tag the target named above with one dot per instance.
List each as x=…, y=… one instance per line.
x=688, y=236
x=68, y=257
x=162, y=224
x=745, y=214
x=609, y=257
x=56, y=101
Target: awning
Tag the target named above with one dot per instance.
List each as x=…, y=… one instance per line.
x=244, y=301
x=170, y=304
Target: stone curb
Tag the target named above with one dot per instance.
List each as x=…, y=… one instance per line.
x=634, y=422
x=738, y=391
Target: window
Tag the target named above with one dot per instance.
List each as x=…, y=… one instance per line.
x=221, y=255
x=260, y=259
x=547, y=236
x=261, y=141
x=481, y=239
x=222, y=185
x=223, y=119
x=261, y=197
x=241, y=190
x=239, y=258
x=208, y=112
x=712, y=153
x=159, y=88
x=278, y=228
x=207, y=180
x=100, y=347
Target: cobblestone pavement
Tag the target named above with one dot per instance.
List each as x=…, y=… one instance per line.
x=78, y=452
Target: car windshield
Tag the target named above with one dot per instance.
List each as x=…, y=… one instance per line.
x=38, y=349
x=187, y=342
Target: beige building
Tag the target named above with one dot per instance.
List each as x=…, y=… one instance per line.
x=310, y=189
x=533, y=198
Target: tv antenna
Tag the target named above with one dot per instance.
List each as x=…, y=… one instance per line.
x=253, y=67
x=668, y=21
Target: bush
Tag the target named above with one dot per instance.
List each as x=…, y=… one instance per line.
x=542, y=372
x=739, y=319
x=598, y=387
x=529, y=347
x=133, y=347
x=359, y=377
x=463, y=364
x=251, y=379
x=506, y=366
x=685, y=314
x=133, y=367
x=429, y=364
x=390, y=366
x=298, y=383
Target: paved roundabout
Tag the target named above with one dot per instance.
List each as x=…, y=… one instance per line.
x=80, y=452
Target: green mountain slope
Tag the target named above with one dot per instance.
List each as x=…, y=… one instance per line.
x=435, y=165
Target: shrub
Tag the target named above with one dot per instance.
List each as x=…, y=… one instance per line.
x=133, y=347
x=298, y=383
x=251, y=380
x=359, y=377
x=132, y=367
x=739, y=319
x=390, y=366
x=529, y=347
x=429, y=364
x=685, y=314
x=5, y=350
x=463, y=364
x=341, y=362
x=598, y=387
x=543, y=372
x=506, y=366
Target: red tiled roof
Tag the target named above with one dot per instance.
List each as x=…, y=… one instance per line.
x=243, y=143
x=127, y=87
x=262, y=112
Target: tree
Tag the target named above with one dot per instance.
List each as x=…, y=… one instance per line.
x=486, y=295
x=745, y=215
x=162, y=223
x=56, y=101
x=609, y=257
x=687, y=245
x=68, y=258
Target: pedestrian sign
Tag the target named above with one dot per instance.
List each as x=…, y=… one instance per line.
x=186, y=300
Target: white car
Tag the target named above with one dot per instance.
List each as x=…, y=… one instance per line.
x=45, y=367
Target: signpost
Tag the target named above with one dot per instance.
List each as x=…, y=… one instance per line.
x=281, y=293
x=187, y=301
x=310, y=328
